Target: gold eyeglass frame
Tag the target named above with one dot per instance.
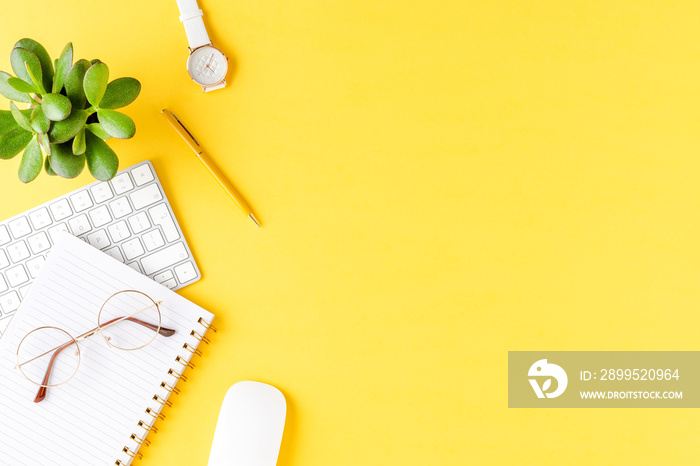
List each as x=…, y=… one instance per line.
x=99, y=329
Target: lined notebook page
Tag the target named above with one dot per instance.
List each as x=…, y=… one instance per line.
x=90, y=419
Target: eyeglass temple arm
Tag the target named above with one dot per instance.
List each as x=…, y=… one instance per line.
x=166, y=332
x=41, y=394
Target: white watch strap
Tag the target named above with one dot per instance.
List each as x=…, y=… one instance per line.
x=214, y=87
x=191, y=17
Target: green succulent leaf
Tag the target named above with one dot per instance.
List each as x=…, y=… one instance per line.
x=63, y=65
x=47, y=166
x=79, y=143
x=22, y=86
x=23, y=60
x=120, y=93
x=95, y=82
x=56, y=107
x=116, y=124
x=32, y=161
x=36, y=80
x=12, y=142
x=74, y=83
x=39, y=122
x=7, y=120
x=65, y=130
x=44, y=58
x=65, y=163
x=10, y=92
x=98, y=131
x=44, y=143
x=101, y=159
x=19, y=117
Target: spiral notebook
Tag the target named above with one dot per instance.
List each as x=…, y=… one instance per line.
x=104, y=413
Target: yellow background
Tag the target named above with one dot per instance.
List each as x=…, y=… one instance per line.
x=439, y=182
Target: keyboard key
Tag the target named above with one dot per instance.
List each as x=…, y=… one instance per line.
x=81, y=201
x=120, y=207
x=3, y=284
x=164, y=258
x=135, y=266
x=4, y=235
x=163, y=277
x=170, y=283
x=122, y=183
x=40, y=218
x=146, y=196
x=119, y=231
x=185, y=272
x=99, y=239
x=39, y=242
x=9, y=302
x=100, y=216
x=132, y=248
x=24, y=290
x=153, y=240
x=17, y=275
x=161, y=217
x=116, y=253
x=79, y=225
x=18, y=251
x=101, y=192
x=139, y=222
x=20, y=227
x=142, y=174
x=60, y=210
x=4, y=262
x=55, y=232
x=34, y=266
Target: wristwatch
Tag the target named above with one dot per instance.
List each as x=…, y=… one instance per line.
x=206, y=65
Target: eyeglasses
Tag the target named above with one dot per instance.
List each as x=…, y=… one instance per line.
x=50, y=356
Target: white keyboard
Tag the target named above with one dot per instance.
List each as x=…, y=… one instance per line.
x=128, y=218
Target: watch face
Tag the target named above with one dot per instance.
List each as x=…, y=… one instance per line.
x=207, y=66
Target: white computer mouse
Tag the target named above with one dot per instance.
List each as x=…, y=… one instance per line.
x=250, y=426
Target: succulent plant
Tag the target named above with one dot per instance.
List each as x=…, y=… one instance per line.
x=71, y=113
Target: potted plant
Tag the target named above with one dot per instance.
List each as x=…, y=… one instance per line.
x=69, y=113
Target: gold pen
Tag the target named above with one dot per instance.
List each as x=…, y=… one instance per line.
x=216, y=173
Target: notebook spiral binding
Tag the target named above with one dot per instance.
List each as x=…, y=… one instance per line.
x=155, y=414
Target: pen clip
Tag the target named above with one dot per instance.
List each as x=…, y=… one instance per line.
x=183, y=127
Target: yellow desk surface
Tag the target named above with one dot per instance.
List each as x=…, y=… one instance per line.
x=439, y=182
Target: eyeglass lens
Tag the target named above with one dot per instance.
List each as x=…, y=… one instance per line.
x=134, y=332
x=49, y=356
